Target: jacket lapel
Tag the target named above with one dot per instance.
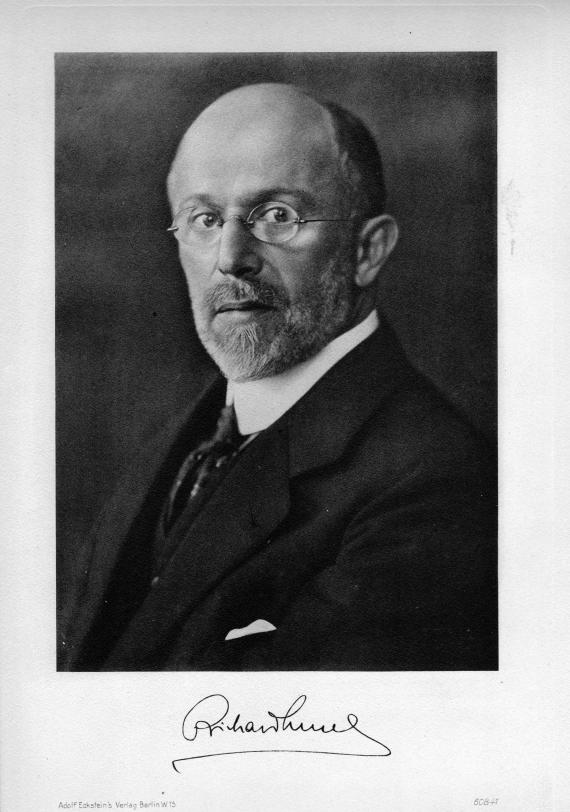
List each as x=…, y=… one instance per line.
x=324, y=421
x=237, y=520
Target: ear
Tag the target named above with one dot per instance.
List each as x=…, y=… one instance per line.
x=376, y=241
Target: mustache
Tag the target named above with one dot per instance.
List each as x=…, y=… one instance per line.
x=238, y=291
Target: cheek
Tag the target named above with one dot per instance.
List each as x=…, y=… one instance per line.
x=197, y=270
x=302, y=274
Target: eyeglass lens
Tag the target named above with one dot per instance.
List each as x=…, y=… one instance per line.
x=272, y=222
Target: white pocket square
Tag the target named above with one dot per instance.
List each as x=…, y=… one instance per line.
x=255, y=627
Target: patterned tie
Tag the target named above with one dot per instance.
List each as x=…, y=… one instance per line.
x=200, y=466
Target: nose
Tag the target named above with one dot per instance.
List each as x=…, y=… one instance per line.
x=238, y=249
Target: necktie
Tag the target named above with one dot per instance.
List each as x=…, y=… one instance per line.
x=200, y=467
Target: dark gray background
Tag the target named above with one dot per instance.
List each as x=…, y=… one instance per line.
x=127, y=355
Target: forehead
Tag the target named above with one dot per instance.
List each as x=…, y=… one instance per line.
x=235, y=151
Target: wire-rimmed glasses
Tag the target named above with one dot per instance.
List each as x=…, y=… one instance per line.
x=273, y=222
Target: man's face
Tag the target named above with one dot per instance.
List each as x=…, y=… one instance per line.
x=260, y=308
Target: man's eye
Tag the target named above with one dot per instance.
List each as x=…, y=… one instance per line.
x=203, y=220
x=276, y=214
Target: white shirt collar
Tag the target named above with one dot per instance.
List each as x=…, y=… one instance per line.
x=260, y=403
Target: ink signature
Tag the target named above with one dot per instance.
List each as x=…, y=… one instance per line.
x=210, y=718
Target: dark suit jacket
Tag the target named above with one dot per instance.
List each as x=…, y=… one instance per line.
x=361, y=525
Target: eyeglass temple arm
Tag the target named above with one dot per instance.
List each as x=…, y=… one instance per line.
x=327, y=220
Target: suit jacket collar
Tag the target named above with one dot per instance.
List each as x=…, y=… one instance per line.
x=323, y=422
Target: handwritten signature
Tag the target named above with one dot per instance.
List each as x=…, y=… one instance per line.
x=211, y=715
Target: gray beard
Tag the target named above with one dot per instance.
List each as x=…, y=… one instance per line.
x=294, y=333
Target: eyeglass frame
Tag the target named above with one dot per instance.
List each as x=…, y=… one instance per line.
x=249, y=224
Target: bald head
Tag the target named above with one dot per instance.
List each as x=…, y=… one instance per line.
x=270, y=125
x=246, y=107
x=288, y=123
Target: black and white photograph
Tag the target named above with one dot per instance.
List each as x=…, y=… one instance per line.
x=245, y=245
x=285, y=438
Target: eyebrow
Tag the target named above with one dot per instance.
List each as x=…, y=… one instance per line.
x=252, y=200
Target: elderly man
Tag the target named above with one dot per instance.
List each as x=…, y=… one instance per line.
x=321, y=506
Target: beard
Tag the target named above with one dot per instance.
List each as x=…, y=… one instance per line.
x=281, y=333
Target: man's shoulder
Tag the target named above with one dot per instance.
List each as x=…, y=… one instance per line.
x=375, y=405
x=418, y=410
x=418, y=429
